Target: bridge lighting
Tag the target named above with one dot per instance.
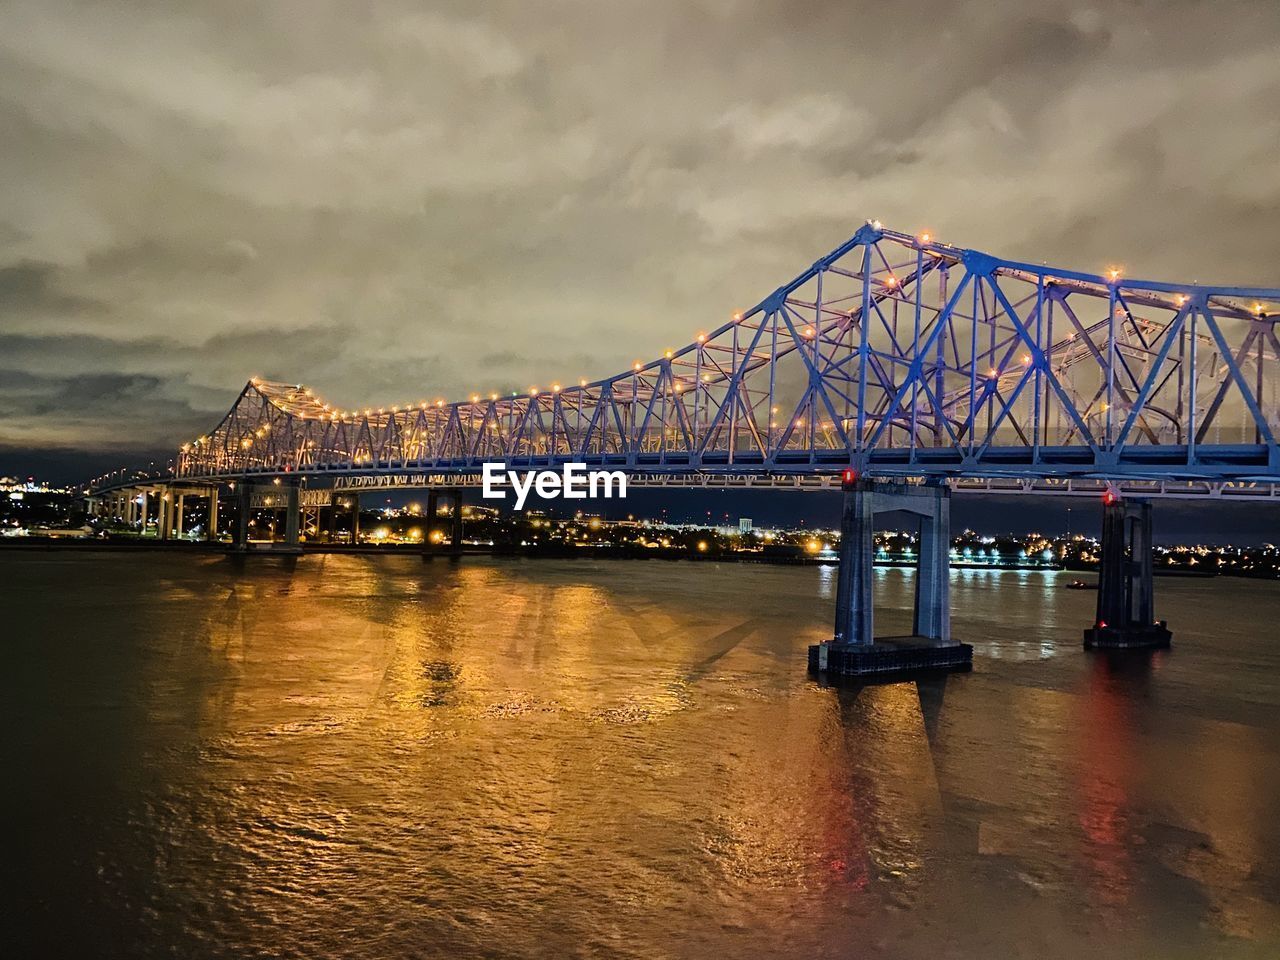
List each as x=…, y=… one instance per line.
x=1257, y=308
x=533, y=391
x=475, y=398
x=638, y=365
x=877, y=224
x=555, y=388
x=1115, y=274
x=702, y=546
x=808, y=331
x=993, y=374
x=679, y=388
x=925, y=238
x=891, y=281
x=1181, y=298
x=668, y=354
x=493, y=396
x=439, y=403
x=1109, y=498
x=1026, y=358
x=582, y=383
x=702, y=338
x=737, y=317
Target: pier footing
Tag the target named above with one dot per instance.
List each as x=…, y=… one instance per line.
x=1133, y=637
x=889, y=656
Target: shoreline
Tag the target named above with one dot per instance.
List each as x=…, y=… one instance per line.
x=38, y=545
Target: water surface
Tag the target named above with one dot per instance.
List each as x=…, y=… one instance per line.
x=354, y=756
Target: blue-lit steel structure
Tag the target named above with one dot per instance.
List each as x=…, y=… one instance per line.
x=894, y=354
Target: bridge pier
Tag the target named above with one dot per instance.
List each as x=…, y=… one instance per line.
x=855, y=651
x=355, y=519
x=455, y=530
x=331, y=535
x=244, y=507
x=430, y=547
x=292, y=515
x=1125, y=613
x=164, y=520
x=211, y=531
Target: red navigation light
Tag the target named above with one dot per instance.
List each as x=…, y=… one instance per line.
x=848, y=476
x=1109, y=497
x=1102, y=624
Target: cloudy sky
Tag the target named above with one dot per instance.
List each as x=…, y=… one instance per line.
x=396, y=201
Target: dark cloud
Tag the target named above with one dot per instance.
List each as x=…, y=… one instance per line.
x=394, y=202
x=30, y=287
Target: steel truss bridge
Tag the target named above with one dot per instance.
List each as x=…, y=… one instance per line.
x=894, y=355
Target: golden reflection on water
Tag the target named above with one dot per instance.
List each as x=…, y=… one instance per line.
x=347, y=755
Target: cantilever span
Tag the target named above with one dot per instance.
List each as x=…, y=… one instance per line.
x=897, y=355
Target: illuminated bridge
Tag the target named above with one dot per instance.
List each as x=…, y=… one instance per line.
x=894, y=358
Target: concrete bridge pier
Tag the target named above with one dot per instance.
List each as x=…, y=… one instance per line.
x=430, y=547
x=355, y=519
x=1125, y=612
x=164, y=514
x=211, y=529
x=244, y=507
x=331, y=536
x=292, y=515
x=855, y=651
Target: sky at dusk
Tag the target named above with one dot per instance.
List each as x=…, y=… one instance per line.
x=394, y=201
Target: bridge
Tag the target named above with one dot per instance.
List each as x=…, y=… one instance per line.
x=897, y=366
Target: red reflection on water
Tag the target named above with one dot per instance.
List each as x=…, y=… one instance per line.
x=1106, y=772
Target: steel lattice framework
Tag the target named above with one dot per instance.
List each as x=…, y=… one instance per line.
x=895, y=354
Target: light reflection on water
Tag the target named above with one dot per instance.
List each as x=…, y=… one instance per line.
x=347, y=756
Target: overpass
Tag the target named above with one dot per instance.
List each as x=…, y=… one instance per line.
x=897, y=365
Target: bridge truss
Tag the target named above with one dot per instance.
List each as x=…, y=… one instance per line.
x=894, y=354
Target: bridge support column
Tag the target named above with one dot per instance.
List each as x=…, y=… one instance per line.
x=1125, y=613
x=142, y=512
x=455, y=530
x=179, y=510
x=855, y=651
x=355, y=518
x=244, y=507
x=429, y=546
x=211, y=529
x=292, y=515
x=164, y=522
x=855, y=610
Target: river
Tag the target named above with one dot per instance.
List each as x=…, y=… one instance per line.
x=362, y=756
